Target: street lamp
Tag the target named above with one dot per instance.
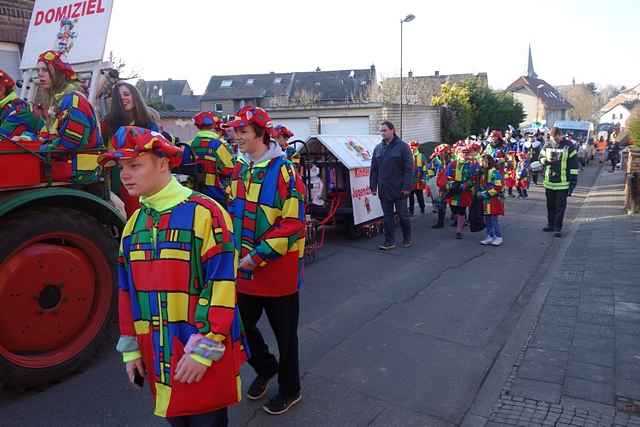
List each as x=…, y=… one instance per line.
x=407, y=18
x=540, y=86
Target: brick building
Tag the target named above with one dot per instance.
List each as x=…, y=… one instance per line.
x=14, y=22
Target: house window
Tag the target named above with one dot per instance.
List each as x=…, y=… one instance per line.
x=249, y=81
x=277, y=80
x=226, y=83
x=219, y=108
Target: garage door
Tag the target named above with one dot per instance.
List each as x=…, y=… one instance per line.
x=301, y=128
x=344, y=126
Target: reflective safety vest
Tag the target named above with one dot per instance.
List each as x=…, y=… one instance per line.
x=561, y=165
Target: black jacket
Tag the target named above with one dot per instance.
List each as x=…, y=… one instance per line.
x=391, y=169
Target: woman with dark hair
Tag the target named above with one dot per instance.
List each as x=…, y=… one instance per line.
x=127, y=109
x=71, y=122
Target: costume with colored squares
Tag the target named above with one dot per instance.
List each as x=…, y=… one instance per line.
x=17, y=119
x=73, y=128
x=177, y=281
x=216, y=159
x=267, y=205
x=491, y=192
x=461, y=179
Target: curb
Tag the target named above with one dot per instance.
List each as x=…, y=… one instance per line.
x=502, y=372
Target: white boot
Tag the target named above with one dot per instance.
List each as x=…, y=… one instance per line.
x=487, y=241
x=497, y=241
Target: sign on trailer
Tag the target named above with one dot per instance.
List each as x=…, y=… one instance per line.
x=76, y=28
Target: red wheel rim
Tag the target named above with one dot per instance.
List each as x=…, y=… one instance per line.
x=56, y=291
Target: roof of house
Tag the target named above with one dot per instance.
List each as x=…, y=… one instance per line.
x=183, y=102
x=325, y=86
x=169, y=87
x=247, y=86
x=627, y=95
x=549, y=95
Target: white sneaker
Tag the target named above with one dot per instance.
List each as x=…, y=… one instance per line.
x=487, y=241
x=497, y=241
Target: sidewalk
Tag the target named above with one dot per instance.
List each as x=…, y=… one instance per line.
x=580, y=365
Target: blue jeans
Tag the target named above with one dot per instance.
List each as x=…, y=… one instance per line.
x=493, y=226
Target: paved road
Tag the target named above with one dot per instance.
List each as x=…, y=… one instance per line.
x=404, y=338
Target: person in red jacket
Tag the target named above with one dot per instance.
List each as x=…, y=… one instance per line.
x=267, y=206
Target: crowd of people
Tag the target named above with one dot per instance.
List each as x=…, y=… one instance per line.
x=197, y=269
x=472, y=177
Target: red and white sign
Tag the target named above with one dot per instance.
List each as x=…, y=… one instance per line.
x=366, y=206
x=78, y=28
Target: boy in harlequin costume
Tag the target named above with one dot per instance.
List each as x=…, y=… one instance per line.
x=510, y=180
x=461, y=181
x=490, y=191
x=419, y=183
x=522, y=175
x=179, y=324
x=71, y=125
x=267, y=206
x=437, y=168
x=213, y=154
x=16, y=118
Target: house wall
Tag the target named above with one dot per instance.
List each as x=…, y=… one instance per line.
x=533, y=108
x=419, y=122
x=618, y=114
x=179, y=127
x=228, y=106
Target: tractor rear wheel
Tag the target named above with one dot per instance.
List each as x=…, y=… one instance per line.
x=57, y=293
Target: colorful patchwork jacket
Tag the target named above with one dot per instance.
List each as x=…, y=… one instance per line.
x=216, y=159
x=491, y=193
x=17, y=119
x=177, y=289
x=74, y=128
x=461, y=181
x=267, y=206
x=420, y=170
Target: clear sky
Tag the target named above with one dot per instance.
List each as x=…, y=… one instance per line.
x=591, y=40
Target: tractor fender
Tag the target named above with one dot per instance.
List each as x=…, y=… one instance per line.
x=83, y=201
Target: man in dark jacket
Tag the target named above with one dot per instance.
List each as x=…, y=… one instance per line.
x=391, y=178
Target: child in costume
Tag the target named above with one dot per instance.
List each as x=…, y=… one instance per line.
x=213, y=155
x=522, y=174
x=437, y=168
x=419, y=183
x=179, y=324
x=267, y=207
x=492, y=197
x=461, y=180
x=510, y=178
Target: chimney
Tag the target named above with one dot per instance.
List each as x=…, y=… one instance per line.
x=410, y=73
x=372, y=74
x=437, y=73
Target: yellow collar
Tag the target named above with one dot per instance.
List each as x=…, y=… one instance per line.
x=7, y=99
x=171, y=195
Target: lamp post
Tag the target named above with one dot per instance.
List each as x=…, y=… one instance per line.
x=540, y=86
x=407, y=18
